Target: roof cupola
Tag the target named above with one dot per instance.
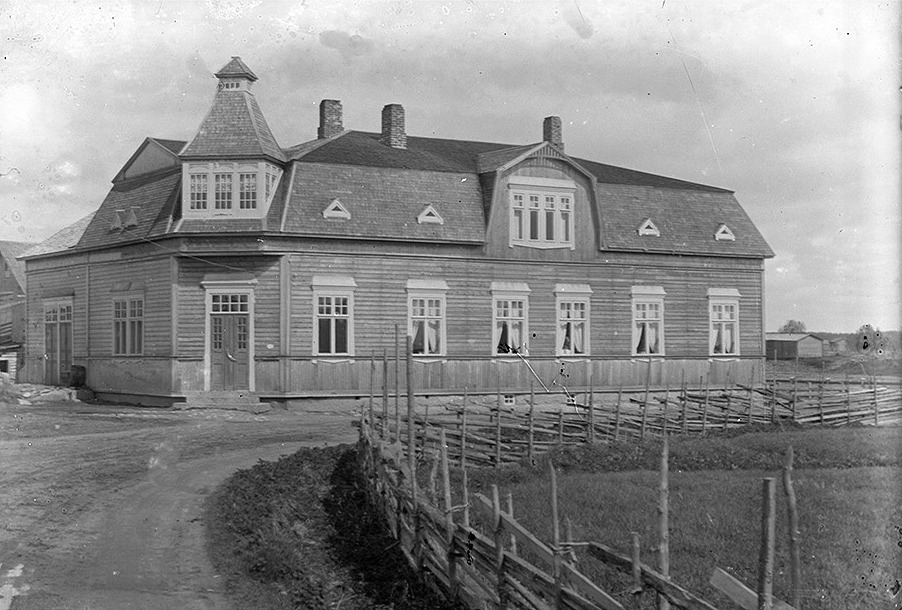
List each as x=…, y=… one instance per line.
x=235, y=75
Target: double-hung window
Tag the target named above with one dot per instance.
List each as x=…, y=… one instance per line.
x=333, y=313
x=648, y=320
x=573, y=307
x=228, y=188
x=223, y=199
x=426, y=316
x=510, y=317
x=198, y=191
x=723, y=307
x=128, y=326
x=541, y=212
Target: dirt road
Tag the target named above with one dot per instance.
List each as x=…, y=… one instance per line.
x=100, y=507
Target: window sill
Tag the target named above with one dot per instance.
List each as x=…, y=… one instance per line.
x=542, y=246
x=560, y=358
x=429, y=359
x=646, y=357
x=723, y=358
x=335, y=360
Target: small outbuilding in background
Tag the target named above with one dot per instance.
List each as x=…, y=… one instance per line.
x=789, y=346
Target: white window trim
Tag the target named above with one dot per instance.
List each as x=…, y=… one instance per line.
x=429, y=289
x=333, y=286
x=652, y=295
x=541, y=187
x=723, y=296
x=261, y=169
x=212, y=287
x=430, y=215
x=129, y=296
x=649, y=229
x=724, y=233
x=510, y=291
x=336, y=209
x=572, y=293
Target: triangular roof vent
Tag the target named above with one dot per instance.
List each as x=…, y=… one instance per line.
x=131, y=220
x=336, y=210
x=724, y=233
x=116, y=225
x=430, y=216
x=649, y=228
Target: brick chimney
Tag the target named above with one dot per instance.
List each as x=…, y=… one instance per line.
x=329, y=119
x=551, y=131
x=393, y=126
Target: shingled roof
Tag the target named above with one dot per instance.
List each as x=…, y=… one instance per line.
x=10, y=251
x=63, y=239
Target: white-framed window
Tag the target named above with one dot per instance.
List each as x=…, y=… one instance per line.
x=573, y=307
x=541, y=212
x=223, y=197
x=248, y=191
x=199, y=191
x=128, y=326
x=510, y=318
x=333, y=315
x=241, y=188
x=648, y=320
x=723, y=308
x=427, y=317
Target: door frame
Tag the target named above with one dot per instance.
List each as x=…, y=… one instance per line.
x=237, y=286
x=50, y=303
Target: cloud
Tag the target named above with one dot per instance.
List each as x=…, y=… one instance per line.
x=347, y=44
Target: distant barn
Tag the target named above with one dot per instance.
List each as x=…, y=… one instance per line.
x=789, y=346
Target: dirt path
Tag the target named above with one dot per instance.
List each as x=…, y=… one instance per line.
x=100, y=507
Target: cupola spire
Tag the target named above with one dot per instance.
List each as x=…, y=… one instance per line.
x=236, y=75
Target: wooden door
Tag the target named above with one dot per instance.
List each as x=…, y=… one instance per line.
x=57, y=345
x=229, y=362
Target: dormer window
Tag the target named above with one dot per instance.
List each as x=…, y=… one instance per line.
x=541, y=212
x=216, y=189
x=430, y=216
x=648, y=228
x=724, y=233
x=336, y=210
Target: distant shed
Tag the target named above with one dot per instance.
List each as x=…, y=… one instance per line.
x=789, y=346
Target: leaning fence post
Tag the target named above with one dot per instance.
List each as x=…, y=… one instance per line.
x=532, y=401
x=411, y=404
x=449, y=518
x=794, y=553
x=498, y=531
x=848, y=402
x=372, y=385
x=820, y=400
x=397, y=385
x=663, y=524
x=876, y=409
x=463, y=431
x=556, y=541
x=510, y=511
x=560, y=427
x=795, y=387
x=636, y=591
x=385, y=429
x=498, y=424
x=705, y=409
x=683, y=401
x=591, y=422
x=617, y=413
x=766, y=554
x=645, y=400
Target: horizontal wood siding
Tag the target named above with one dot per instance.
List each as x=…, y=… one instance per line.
x=148, y=278
x=380, y=302
x=192, y=311
x=51, y=282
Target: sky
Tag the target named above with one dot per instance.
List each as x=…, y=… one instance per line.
x=792, y=104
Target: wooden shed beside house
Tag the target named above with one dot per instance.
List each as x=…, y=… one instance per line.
x=789, y=346
x=229, y=263
x=12, y=306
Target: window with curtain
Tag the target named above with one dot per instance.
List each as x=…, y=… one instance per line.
x=427, y=319
x=724, y=338
x=647, y=331
x=510, y=326
x=572, y=328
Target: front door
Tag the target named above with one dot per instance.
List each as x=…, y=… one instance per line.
x=57, y=343
x=229, y=356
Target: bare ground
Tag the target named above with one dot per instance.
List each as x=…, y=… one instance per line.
x=101, y=506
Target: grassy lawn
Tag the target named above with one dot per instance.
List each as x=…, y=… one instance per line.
x=848, y=484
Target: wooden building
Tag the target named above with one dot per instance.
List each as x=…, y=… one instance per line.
x=12, y=306
x=230, y=263
x=789, y=346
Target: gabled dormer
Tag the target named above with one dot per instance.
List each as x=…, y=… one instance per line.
x=232, y=166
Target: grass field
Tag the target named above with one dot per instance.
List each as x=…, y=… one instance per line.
x=848, y=483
